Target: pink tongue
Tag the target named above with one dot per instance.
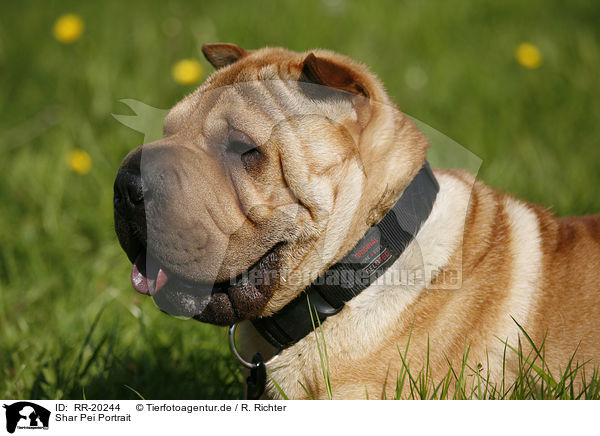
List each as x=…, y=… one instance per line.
x=147, y=277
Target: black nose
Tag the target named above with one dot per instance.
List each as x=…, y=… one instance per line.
x=128, y=193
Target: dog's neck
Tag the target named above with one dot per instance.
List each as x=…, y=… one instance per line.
x=378, y=249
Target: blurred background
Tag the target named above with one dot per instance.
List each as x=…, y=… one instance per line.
x=514, y=82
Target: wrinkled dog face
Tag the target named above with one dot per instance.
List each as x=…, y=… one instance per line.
x=255, y=187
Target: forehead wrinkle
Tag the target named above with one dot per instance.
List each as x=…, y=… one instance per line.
x=286, y=102
x=258, y=128
x=282, y=93
x=208, y=115
x=205, y=120
x=268, y=72
x=291, y=102
x=201, y=94
x=257, y=93
x=251, y=104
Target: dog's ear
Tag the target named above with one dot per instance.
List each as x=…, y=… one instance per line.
x=328, y=73
x=221, y=54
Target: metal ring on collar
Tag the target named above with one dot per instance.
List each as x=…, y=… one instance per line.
x=237, y=355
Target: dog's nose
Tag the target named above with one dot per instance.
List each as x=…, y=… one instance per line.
x=128, y=193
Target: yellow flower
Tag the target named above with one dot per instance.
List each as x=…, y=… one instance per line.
x=79, y=161
x=528, y=55
x=68, y=28
x=187, y=71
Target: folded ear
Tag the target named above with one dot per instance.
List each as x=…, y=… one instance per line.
x=331, y=74
x=221, y=54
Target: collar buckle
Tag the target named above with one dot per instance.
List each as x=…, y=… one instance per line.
x=238, y=356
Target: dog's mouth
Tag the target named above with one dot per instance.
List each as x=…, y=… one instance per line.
x=147, y=276
x=222, y=303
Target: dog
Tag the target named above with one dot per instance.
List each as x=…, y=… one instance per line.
x=291, y=166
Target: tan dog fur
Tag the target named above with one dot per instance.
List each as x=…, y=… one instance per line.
x=322, y=189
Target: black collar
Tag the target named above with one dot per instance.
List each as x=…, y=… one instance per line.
x=378, y=249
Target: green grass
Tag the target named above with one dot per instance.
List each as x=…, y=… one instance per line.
x=532, y=379
x=70, y=325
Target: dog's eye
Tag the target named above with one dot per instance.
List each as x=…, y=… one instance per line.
x=242, y=145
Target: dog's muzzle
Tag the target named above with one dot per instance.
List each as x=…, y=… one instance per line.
x=146, y=203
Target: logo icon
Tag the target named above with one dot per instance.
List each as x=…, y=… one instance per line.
x=26, y=415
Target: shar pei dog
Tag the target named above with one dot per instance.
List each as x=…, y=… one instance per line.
x=290, y=194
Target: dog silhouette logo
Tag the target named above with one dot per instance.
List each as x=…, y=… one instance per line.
x=26, y=415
